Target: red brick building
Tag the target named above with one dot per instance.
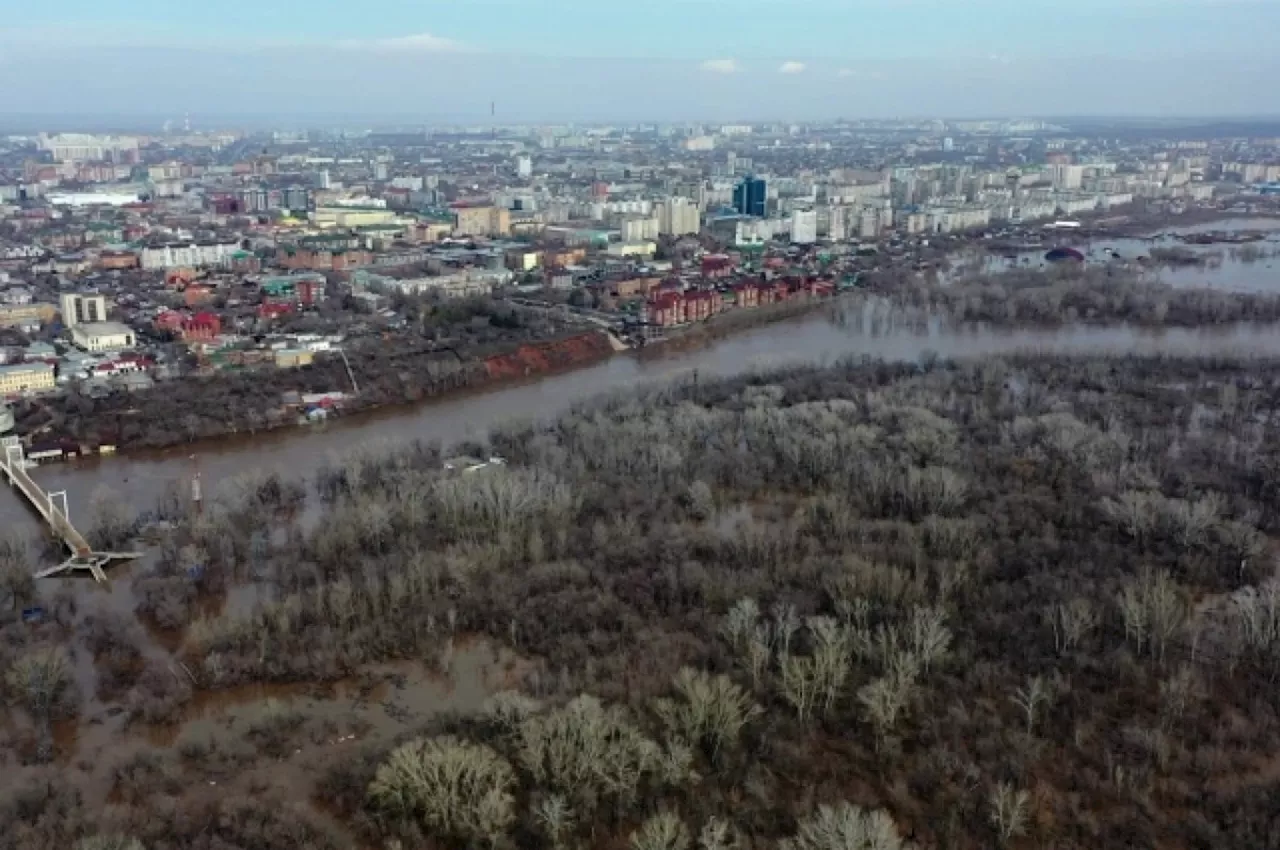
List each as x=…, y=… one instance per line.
x=202, y=327
x=678, y=308
x=169, y=320
x=717, y=266
x=746, y=294
x=196, y=294
x=274, y=310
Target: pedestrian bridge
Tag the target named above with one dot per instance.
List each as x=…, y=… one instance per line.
x=52, y=508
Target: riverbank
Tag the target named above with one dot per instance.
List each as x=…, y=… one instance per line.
x=397, y=384
x=735, y=321
x=530, y=361
x=258, y=404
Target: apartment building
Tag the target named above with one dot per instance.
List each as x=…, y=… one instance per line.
x=481, y=221
x=191, y=255
x=78, y=309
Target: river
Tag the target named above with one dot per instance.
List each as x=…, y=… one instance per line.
x=139, y=478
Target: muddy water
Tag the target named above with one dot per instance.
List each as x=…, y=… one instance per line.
x=1249, y=267
x=139, y=478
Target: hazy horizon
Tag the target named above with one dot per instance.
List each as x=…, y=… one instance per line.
x=672, y=60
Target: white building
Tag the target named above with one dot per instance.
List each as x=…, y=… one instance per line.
x=103, y=336
x=804, y=227
x=916, y=222
x=954, y=219
x=82, y=309
x=638, y=229
x=641, y=249
x=84, y=147
x=1073, y=204
x=463, y=284
x=524, y=167
x=837, y=223
x=678, y=216
x=869, y=223
x=92, y=199
x=1033, y=210
x=1066, y=177
x=188, y=254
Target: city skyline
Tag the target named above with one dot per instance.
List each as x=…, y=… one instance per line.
x=674, y=60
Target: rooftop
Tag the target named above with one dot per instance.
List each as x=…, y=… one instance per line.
x=103, y=328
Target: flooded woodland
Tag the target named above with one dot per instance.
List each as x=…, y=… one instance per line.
x=980, y=562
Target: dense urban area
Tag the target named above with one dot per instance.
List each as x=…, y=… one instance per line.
x=157, y=289
x=1002, y=574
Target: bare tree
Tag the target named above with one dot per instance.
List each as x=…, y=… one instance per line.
x=846, y=827
x=711, y=710
x=1070, y=622
x=663, y=831
x=109, y=842
x=1010, y=810
x=718, y=834
x=453, y=788
x=555, y=818
x=1030, y=697
x=1154, y=611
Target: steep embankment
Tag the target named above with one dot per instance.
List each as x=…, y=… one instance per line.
x=550, y=356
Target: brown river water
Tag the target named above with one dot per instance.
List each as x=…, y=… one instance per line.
x=139, y=478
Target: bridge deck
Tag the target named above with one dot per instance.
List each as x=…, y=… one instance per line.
x=16, y=473
x=83, y=558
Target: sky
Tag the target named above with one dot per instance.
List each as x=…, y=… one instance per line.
x=610, y=60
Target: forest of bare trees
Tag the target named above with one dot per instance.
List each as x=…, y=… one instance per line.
x=1028, y=602
x=1069, y=293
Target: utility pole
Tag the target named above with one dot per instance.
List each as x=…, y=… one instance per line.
x=197, y=497
x=355, y=387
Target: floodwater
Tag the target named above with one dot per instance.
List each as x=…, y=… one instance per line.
x=1248, y=267
x=139, y=478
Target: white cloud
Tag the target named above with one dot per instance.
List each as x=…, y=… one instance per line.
x=422, y=42
x=721, y=66
x=791, y=68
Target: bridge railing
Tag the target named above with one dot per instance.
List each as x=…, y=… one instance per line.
x=14, y=465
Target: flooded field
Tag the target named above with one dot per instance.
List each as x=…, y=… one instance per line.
x=1236, y=267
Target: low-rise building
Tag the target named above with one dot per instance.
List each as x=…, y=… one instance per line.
x=103, y=336
x=26, y=377
x=26, y=315
x=291, y=358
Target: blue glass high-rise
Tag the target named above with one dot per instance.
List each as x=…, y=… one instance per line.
x=750, y=197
